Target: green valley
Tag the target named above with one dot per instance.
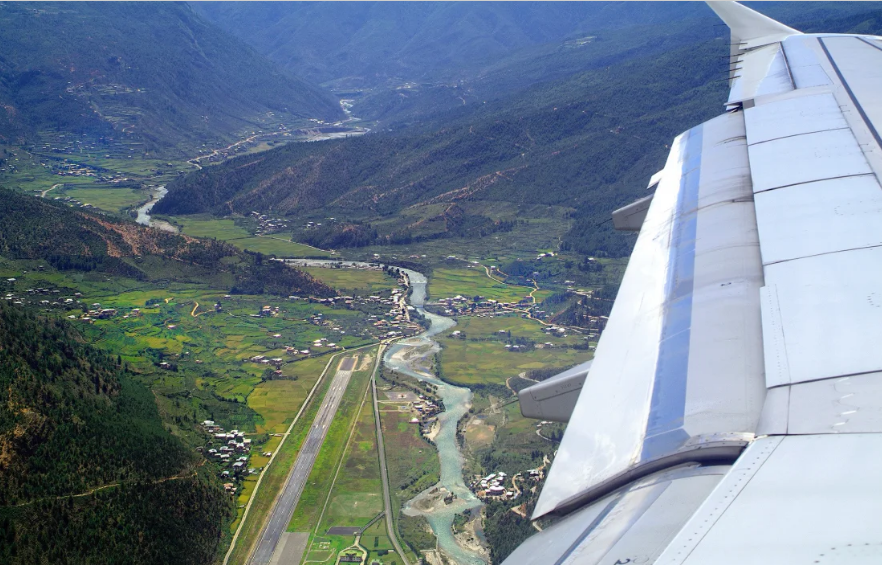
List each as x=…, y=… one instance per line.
x=381, y=223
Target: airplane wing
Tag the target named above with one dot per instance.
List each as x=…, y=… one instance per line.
x=733, y=410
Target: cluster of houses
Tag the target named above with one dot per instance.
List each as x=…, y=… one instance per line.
x=264, y=360
x=20, y=299
x=397, y=321
x=493, y=485
x=267, y=312
x=255, y=138
x=426, y=410
x=459, y=304
x=49, y=298
x=67, y=169
x=96, y=312
x=74, y=202
x=232, y=452
x=268, y=224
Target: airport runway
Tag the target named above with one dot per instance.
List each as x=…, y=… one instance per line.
x=287, y=502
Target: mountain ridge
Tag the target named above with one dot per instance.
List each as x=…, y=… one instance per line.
x=154, y=75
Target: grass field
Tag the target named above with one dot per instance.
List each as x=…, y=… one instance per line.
x=274, y=245
x=356, y=497
x=360, y=282
x=275, y=475
x=309, y=509
x=227, y=229
x=199, y=226
x=110, y=199
x=447, y=283
x=482, y=358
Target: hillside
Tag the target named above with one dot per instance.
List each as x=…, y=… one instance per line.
x=68, y=239
x=155, y=76
x=73, y=420
x=369, y=43
x=589, y=143
x=404, y=61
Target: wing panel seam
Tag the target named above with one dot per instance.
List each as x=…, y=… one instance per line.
x=854, y=100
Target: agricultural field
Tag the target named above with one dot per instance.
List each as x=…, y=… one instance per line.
x=277, y=401
x=481, y=357
x=110, y=199
x=193, y=345
x=470, y=282
x=214, y=228
x=360, y=282
x=236, y=232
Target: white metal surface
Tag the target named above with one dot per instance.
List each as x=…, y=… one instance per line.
x=804, y=61
x=776, y=412
x=679, y=366
x=860, y=64
x=829, y=406
x=793, y=116
x=806, y=158
x=630, y=217
x=750, y=28
x=763, y=71
x=635, y=523
x=819, y=217
x=554, y=398
x=795, y=499
x=839, y=405
x=831, y=313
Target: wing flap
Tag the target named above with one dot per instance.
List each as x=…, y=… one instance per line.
x=793, y=499
x=677, y=374
x=631, y=526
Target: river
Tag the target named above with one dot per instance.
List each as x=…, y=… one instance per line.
x=412, y=356
x=144, y=212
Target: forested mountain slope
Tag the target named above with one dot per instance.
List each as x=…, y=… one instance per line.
x=400, y=62
x=72, y=420
x=152, y=74
x=68, y=239
x=589, y=142
x=365, y=44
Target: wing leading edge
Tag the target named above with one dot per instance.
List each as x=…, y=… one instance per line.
x=733, y=411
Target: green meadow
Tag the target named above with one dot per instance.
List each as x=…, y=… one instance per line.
x=308, y=514
x=355, y=281
x=447, y=283
x=110, y=199
x=235, y=232
x=482, y=358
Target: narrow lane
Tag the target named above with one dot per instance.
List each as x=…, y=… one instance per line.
x=381, y=449
x=287, y=502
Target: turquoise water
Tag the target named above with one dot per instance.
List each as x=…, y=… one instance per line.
x=457, y=401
